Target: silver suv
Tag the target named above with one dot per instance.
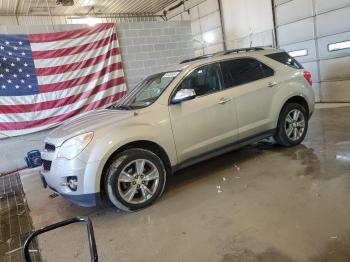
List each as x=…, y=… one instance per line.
x=204, y=107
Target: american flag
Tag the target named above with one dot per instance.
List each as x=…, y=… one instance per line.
x=48, y=78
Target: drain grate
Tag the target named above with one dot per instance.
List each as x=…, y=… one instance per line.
x=15, y=222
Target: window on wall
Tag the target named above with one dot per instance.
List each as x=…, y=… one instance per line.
x=242, y=71
x=204, y=80
x=339, y=46
x=298, y=53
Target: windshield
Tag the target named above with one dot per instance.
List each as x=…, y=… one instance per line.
x=146, y=92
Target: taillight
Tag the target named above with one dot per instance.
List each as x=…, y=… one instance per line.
x=308, y=77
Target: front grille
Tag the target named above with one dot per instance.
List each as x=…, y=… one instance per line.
x=49, y=147
x=47, y=165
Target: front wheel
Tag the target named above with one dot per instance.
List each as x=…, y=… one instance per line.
x=135, y=178
x=292, y=125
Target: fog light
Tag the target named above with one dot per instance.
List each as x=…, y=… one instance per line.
x=72, y=182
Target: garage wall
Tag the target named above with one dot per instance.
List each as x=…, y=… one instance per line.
x=153, y=46
x=247, y=23
x=313, y=25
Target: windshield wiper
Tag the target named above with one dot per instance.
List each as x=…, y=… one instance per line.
x=121, y=107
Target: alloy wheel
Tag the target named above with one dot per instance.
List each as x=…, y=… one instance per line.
x=138, y=181
x=295, y=125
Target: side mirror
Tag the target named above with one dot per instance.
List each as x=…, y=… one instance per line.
x=183, y=95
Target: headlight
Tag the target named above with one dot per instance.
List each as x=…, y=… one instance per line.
x=72, y=147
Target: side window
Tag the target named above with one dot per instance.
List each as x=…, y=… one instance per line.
x=242, y=71
x=204, y=80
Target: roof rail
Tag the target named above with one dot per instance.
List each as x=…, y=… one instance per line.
x=249, y=49
x=222, y=53
x=197, y=58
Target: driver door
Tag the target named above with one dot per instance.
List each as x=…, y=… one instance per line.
x=206, y=122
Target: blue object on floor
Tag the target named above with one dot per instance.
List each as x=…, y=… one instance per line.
x=33, y=159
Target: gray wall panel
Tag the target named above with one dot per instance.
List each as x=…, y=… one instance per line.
x=296, y=32
x=338, y=91
x=310, y=46
x=280, y=2
x=325, y=41
x=336, y=21
x=301, y=9
x=335, y=69
x=328, y=5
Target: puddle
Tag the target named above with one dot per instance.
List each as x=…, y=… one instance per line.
x=337, y=250
x=269, y=255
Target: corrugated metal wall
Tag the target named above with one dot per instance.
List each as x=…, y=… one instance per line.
x=311, y=27
x=205, y=23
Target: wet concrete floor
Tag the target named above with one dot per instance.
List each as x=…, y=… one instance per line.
x=262, y=203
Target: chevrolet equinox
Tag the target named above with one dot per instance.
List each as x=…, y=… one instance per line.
x=204, y=107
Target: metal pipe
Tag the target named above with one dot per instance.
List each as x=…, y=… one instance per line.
x=48, y=8
x=16, y=11
x=223, y=32
x=120, y=15
x=274, y=31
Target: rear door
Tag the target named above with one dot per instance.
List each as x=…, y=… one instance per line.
x=252, y=86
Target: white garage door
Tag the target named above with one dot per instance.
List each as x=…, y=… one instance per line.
x=317, y=32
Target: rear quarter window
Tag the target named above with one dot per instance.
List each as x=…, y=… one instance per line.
x=244, y=70
x=286, y=59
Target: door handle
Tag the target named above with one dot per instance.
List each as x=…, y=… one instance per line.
x=224, y=100
x=272, y=84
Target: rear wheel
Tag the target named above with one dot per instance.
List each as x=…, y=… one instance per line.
x=292, y=125
x=135, y=179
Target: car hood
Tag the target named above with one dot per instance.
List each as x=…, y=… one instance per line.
x=86, y=123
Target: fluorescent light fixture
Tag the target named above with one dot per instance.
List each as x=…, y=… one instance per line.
x=90, y=21
x=298, y=53
x=339, y=46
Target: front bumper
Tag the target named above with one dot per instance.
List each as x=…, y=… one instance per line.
x=84, y=200
x=57, y=172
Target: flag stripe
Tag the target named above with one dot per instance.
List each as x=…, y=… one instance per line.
x=49, y=37
x=10, y=109
x=60, y=110
x=73, y=50
x=77, y=65
x=58, y=61
x=79, y=81
x=71, y=42
x=43, y=97
x=60, y=118
x=52, y=79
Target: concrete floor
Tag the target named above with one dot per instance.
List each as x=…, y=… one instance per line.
x=260, y=203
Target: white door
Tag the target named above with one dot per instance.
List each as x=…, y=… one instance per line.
x=317, y=34
x=206, y=122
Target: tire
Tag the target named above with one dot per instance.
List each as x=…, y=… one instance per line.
x=131, y=185
x=287, y=121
